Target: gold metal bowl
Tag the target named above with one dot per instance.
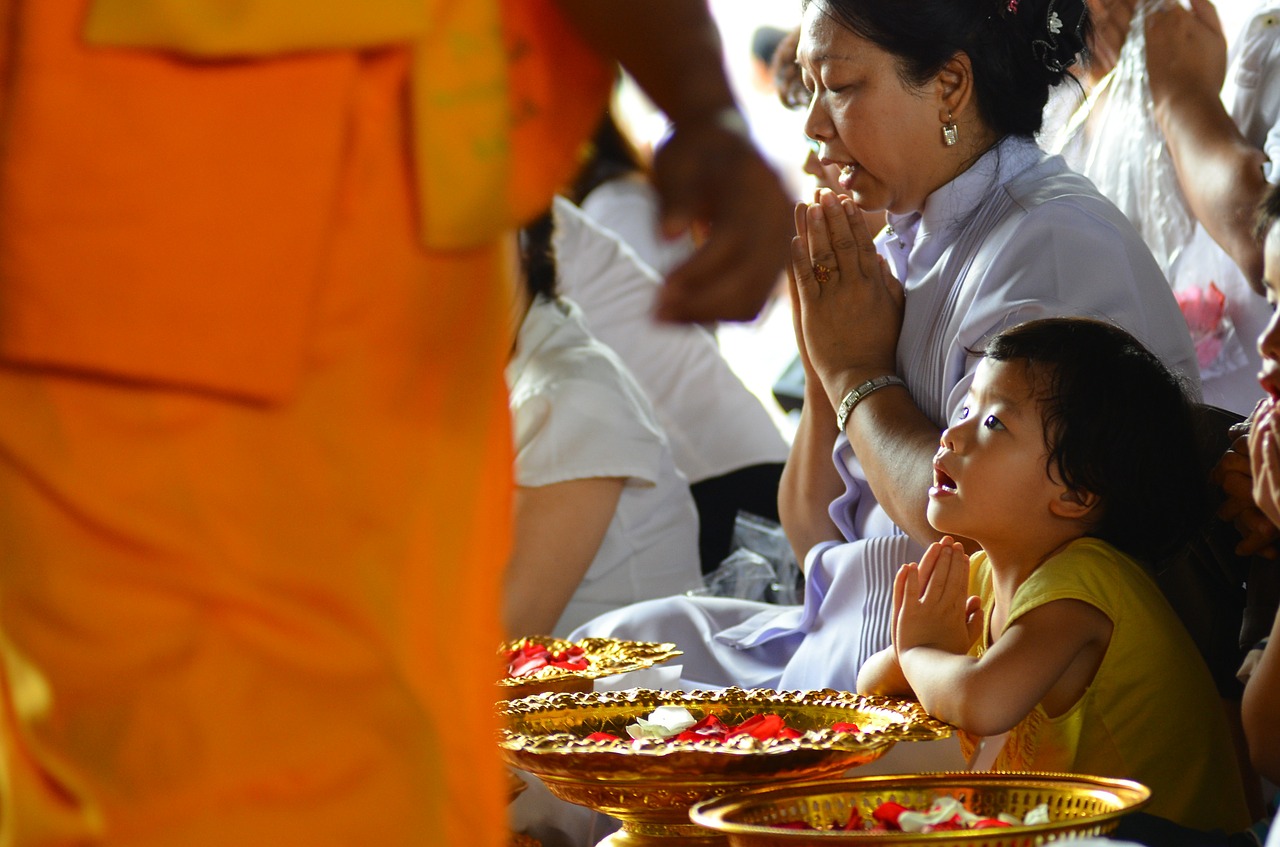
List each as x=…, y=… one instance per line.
x=1079, y=806
x=605, y=657
x=650, y=784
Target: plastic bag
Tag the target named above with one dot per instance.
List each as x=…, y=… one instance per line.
x=1113, y=139
x=760, y=565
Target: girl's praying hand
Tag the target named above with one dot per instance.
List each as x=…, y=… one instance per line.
x=932, y=606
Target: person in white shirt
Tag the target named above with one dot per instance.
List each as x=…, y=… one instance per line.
x=602, y=516
x=723, y=439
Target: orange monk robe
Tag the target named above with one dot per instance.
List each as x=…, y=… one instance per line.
x=254, y=458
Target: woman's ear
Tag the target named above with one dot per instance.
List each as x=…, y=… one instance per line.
x=954, y=86
x=1073, y=504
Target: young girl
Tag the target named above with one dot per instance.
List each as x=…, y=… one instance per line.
x=1070, y=460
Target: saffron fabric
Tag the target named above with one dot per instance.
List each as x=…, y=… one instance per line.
x=255, y=462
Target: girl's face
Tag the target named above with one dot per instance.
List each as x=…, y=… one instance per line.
x=886, y=135
x=991, y=481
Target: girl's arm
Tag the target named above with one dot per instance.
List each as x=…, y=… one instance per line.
x=881, y=674
x=1048, y=655
x=558, y=531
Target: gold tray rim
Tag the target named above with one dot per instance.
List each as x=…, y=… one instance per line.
x=632, y=656
x=916, y=724
x=709, y=813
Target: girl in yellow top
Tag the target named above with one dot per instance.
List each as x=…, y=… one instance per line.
x=1059, y=638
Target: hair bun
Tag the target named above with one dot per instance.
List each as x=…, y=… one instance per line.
x=1057, y=33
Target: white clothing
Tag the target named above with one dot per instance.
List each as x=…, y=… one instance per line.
x=1251, y=95
x=578, y=414
x=628, y=207
x=1017, y=236
x=713, y=423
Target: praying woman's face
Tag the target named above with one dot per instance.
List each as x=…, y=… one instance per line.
x=1264, y=434
x=883, y=133
x=1269, y=341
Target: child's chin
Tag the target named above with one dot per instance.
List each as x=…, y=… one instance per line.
x=939, y=519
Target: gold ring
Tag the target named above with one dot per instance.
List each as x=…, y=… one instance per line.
x=821, y=273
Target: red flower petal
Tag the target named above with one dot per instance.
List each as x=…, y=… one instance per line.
x=758, y=726
x=841, y=726
x=602, y=736
x=888, y=813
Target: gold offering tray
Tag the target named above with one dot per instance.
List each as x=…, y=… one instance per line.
x=1079, y=806
x=605, y=657
x=650, y=784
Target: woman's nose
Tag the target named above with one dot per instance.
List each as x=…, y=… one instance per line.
x=817, y=123
x=1269, y=340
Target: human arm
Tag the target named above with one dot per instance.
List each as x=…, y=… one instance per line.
x=558, y=530
x=1260, y=709
x=809, y=479
x=850, y=325
x=1219, y=171
x=1048, y=654
x=708, y=170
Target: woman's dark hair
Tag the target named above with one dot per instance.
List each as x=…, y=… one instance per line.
x=609, y=156
x=1118, y=424
x=1268, y=213
x=538, y=258
x=1019, y=49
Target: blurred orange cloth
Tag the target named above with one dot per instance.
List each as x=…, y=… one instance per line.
x=255, y=459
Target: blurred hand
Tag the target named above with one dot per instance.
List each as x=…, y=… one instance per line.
x=1111, y=19
x=1186, y=51
x=709, y=173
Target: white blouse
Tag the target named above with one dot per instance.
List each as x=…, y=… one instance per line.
x=578, y=414
x=714, y=423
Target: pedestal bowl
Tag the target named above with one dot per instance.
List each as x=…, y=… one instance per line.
x=602, y=656
x=650, y=784
x=1073, y=806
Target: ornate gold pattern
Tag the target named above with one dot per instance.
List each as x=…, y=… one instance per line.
x=651, y=783
x=1079, y=806
x=605, y=657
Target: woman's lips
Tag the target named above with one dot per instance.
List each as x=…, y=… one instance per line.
x=1270, y=381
